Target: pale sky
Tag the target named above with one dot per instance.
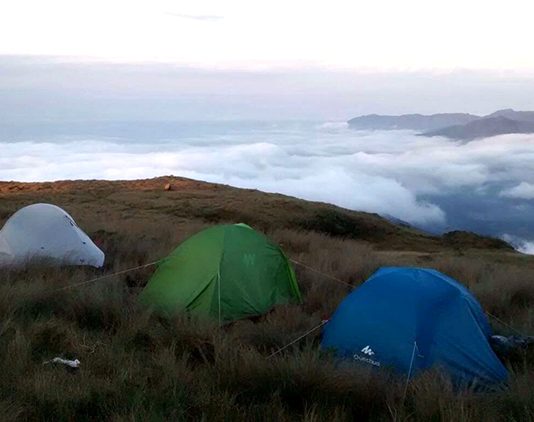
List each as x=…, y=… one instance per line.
x=235, y=59
x=368, y=35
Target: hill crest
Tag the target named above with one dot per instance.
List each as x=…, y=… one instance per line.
x=190, y=201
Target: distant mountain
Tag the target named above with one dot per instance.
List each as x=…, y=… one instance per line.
x=410, y=121
x=484, y=128
x=459, y=126
x=523, y=116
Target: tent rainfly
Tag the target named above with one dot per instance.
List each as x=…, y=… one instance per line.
x=226, y=272
x=413, y=319
x=46, y=233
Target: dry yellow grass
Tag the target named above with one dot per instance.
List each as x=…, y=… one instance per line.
x=136, y=366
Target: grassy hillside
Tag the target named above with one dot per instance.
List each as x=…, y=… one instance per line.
x=136, y=366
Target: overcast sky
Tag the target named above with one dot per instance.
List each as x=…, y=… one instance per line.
x=52, y=90
x=220, y=60
x=373, y=35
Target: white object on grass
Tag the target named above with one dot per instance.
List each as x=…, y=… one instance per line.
x=72, y=363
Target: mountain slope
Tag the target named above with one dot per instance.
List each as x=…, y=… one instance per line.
x=138, y=365
x=484, y=128
x=410, y=121
x=523, y=116
x=100, y=204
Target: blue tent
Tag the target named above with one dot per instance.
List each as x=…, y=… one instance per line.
x=412, y=319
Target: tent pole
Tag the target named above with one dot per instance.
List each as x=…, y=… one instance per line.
x=219, y=293
x=409, y=371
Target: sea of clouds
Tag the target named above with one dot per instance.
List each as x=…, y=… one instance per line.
x=393, y=173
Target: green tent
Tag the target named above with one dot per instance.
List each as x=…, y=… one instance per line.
x=225, y=272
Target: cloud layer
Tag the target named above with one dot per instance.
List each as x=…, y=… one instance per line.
x=524, y=190
x=416, y=179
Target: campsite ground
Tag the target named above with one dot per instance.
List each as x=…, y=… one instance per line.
x=136, y=366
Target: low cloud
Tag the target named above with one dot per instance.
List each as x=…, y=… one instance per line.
x=391, y=173
x=524, y=190
x=522, y=245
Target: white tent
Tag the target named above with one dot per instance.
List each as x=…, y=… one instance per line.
x=46, y=232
